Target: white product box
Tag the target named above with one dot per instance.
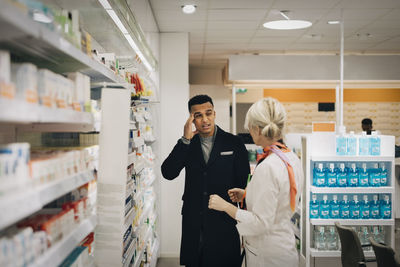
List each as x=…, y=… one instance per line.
x=24, y=76
x=46, y=87
x=4, y=66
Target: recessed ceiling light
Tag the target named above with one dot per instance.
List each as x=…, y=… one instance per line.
x=287, y=24
x=333, y=22
x=189, y=9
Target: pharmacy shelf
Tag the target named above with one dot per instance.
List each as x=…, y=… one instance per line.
x=131, y=158
x=129, y=219
x=16, y=206
x=334, y=254
x=352, y=190
x=352, y=222
x=154, y=253
x=351, y=158
x=35, y=43
x=60, y=250
x=130, y=253
x=141, y=252
x=40, y=118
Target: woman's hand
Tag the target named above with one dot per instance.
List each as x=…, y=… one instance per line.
x=236, y=194
x=217, y=203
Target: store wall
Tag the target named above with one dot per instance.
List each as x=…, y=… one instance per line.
x=205, y=75
x=313, y=67
x=174, y=92
x=381, y=105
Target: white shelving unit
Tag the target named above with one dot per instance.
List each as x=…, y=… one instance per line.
x=25, y=202
x=57, y=253
x=114, y=186
x=51, y=50
x=320, y=148
x=334, y=254
x=33, y=42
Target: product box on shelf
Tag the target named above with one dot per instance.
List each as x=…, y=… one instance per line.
x=14, y=168
x=47, y=88
x=21, y=246
x=81, y=93
x=24, y=76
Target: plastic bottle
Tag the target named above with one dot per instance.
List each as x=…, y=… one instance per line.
x=352, y=176
x=386, y=208
x=331, y=176
x=378, y=235
x=365, y=208
x=375, y=144
x=324, y=208
x=363, y=147
x=320, y=176
x=320, y=241
x=374, y=176
x=363, y=176
x=384, y=181
x=344, y=208
x=351, y=145
x=331, y=240
x=314, y=207
x=341, y=175
x=341, y=145
x=374, y=208
x=355, y=208
x=364, y=237
x=334, y=208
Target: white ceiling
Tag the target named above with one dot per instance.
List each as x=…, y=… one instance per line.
x=220, y=28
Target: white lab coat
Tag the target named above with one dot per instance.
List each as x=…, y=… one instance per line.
x=265, y=225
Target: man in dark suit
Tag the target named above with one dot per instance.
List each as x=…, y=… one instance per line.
x=214, y=161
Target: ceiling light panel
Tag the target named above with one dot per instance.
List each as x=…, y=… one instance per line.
x=287, y=24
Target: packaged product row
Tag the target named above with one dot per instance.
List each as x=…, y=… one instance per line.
x=354, y=206
x=30, y=238
x=361, y=145
x=141, y=229
x=351, y=174
x=25, y=82
x=19, y=166
x=80, y=256
x=327, y=238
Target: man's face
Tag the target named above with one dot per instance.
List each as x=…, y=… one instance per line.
x=366, y=127
x=204, y=118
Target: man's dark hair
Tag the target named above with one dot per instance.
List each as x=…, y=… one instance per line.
x=366, y=121
x=199, y=99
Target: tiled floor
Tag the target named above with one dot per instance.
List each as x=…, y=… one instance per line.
x=168, y=262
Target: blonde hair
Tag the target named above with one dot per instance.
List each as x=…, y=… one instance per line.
x=269, y=115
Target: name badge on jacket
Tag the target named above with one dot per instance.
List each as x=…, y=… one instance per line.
x=226, y=153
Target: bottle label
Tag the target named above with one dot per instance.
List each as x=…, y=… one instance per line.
x=324, y=213
x=365, y=213
x=345, y=213
x=363, y=181
x=314, y=213
x=383, y=181
x=332, y=181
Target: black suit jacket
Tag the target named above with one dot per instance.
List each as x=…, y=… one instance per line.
x=208, y=236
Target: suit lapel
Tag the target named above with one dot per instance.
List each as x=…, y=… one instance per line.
x=216, y=147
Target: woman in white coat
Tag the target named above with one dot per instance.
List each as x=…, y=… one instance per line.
x=271, y=195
